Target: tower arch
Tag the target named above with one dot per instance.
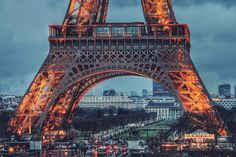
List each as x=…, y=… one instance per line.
x=85, y=50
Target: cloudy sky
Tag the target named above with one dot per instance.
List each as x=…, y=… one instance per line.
x=24, y=45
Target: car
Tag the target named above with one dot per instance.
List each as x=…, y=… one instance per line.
x=3, y=151
x=60, y=147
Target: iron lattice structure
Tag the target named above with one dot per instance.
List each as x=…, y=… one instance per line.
x=85, y=50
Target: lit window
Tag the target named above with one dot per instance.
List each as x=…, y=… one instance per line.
x=118, y=31
x=103, y=31
x=131, y=31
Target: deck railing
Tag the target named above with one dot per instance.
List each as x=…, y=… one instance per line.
x=119, y=31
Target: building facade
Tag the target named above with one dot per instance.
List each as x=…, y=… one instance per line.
x=104, y=102
x=158, y=90
x=110, y=92
x=145, y=93
x=225, y=90
x=133, y=93
x=139, y=101
x=164, y=110
x=235, y=91
x=9, y=103
x=162, y=99
x=226, y=103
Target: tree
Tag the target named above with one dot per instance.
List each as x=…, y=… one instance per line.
x=122, y=111
x=185, y=123
x=229, y=119
x=99, y=113
x=4, y=117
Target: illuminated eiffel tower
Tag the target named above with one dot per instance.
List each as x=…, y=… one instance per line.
x=85, y=50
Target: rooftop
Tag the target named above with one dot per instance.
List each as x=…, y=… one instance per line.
x=160, y=105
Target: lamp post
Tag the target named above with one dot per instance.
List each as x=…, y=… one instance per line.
x=147, y=129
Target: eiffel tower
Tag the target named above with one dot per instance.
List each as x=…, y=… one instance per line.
x=85, y=50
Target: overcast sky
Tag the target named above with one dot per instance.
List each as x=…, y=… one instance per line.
x=24, y=45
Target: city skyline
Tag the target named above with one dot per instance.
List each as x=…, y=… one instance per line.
x=26, y=51
x=120, y=91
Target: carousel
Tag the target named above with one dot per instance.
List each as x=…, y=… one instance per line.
x=199, y=139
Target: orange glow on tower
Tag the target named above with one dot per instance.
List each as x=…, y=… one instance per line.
x=79, y=59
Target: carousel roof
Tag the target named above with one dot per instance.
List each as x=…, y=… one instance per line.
x=200, y=132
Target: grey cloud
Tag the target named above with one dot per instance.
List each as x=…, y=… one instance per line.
x=183, y=3
x=125, y=3
x=15, y=85
x=23, y=40
x=24, y=45
x=213, y=41
x=200, y=2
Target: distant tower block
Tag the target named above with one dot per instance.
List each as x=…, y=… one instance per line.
x=158, y=90
x=235, y=91
x=144, y=93
x=225, y=90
